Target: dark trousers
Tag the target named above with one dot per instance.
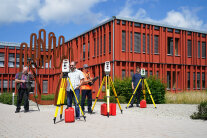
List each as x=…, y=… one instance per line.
x=87, y=93
x=70, y=97
x=137, y=94
x=21, y=93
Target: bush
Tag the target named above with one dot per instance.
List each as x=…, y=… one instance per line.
x=157, y=89
x=6, y=98
x=48, y=97
x=202, y=112
x=122, y=99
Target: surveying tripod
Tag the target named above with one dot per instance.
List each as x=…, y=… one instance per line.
x=61, y=97
x=107, y=80
x=144, y=83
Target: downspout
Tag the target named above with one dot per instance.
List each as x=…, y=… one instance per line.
x=114, y=17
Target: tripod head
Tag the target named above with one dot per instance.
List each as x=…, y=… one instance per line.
x=107, y=68
x=143, y=73
x=65, y=68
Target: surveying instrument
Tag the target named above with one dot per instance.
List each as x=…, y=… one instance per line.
x=144, y=86
x=61, y=95
x=108, y=81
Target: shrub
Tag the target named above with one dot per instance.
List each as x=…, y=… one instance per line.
x=157, y=89
x=122, y=99
x=6, y=98
x=48, y=97
x=202, y=112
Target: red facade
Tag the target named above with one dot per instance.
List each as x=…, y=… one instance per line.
x=175, y=55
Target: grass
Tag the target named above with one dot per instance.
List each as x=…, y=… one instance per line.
x=189, y=97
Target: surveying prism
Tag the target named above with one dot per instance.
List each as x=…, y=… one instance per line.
x=61, y=94
x=108, y=81
x=144, y=86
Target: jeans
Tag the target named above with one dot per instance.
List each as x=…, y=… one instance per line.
x=87, y=93
x=137, y=94
x=21, y=93
x=70, y=97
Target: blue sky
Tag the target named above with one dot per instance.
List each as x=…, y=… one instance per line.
x=20, y=18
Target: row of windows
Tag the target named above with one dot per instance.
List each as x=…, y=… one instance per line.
x=138, y=25
x=200, y=80
x=6, y=83
x=137, y=42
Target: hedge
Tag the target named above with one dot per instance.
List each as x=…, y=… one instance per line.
x=202, y=112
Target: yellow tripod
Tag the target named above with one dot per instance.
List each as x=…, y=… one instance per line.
x=144, y=83
x=61, y=97
x=107, y=80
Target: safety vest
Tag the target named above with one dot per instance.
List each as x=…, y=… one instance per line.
x=86, y=86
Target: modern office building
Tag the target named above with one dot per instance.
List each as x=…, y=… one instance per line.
x=175, y=55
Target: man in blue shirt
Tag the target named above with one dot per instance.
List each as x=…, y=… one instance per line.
x=135, y=80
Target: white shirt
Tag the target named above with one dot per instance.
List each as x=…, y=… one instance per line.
x=75, y=78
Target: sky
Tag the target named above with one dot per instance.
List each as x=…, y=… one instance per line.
x=20, y=18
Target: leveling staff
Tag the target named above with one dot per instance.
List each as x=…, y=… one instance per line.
x=135, y=80
x=23, y=86
x=76, y=77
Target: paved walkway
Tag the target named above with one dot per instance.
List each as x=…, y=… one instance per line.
x=167, y=121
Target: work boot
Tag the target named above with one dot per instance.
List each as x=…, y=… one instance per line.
x=131, y=106
x=17, y=111
x=137, y=105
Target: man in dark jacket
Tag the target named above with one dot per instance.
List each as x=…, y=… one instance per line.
x=135, y=80
x=22, y=79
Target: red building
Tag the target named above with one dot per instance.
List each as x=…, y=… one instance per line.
x=176, y=55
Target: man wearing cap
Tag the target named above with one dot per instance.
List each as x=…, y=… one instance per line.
x=86, y=88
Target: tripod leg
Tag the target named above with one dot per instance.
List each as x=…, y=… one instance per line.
x=77, y=100
x=36, y=101
x=133, y=93
x=115, y=94
x=98, y=93
x=144, y=91
x=107, y=95
x=62, y=100
x=149, y=92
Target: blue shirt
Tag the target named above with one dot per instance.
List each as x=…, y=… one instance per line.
x=135, y=79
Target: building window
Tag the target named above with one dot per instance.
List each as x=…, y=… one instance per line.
x=176, y=46
x=137, y=42
x=148, y=44
x=45, y=86
x=170, y=46
x=203, y=50
x=188, y=80
x=123, y=73
x=123, y=40
x=199, y=51
x=5, y=85
x=203, y=35
x=18, y=60
x=203, y=80
x=88, y=50
x=84, y=51
x=157, y=28
x=174, y=80
x=151, y=44
x=101, y=45
x=177, y=31
x=109, y=42
x=123, y=22
x=97, y=46
x=156, y=44
x=131, y=72
x=144, y=43
x=189, y=48
x=130, y=41
x=194, y=80
x=2, y=59
x=168, y=79
x=94, y=47
x=146, y=73
x=169, y=29
x=137, y=25
x=189, y=33
x=118, y=22
x=150, y=73
x=198, y=80
x=104, y=44
x=157, y=74
x=11, y=60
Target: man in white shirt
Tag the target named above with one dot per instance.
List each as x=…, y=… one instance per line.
x=76, y=77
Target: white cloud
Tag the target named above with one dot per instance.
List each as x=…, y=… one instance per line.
x=184, y=18
x=17, y=10
x=63, y=11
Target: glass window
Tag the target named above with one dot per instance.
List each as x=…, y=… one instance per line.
x=194, y=80
x=123, y=40
x=137, y=24
x=131, y=72
x=2, y=59
x=94, y=47
x=84, y=51
x=45, y=86
x=170, y=46
x=109, y=42
x=176, y=46
x=203, y=50
x=123, y=73
x=130, y=41
x=144, y=43
x=123, y=22
x=199, y=51
x=97, y=46
x=198, y=80
x=148, y=44
x=188, y=80
x=104, y=44
x=101, y=45
x=168, y=79
x=88, y=50
x=137, y=42
x=189, y=48
x=156, y=44
x=203, y=80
